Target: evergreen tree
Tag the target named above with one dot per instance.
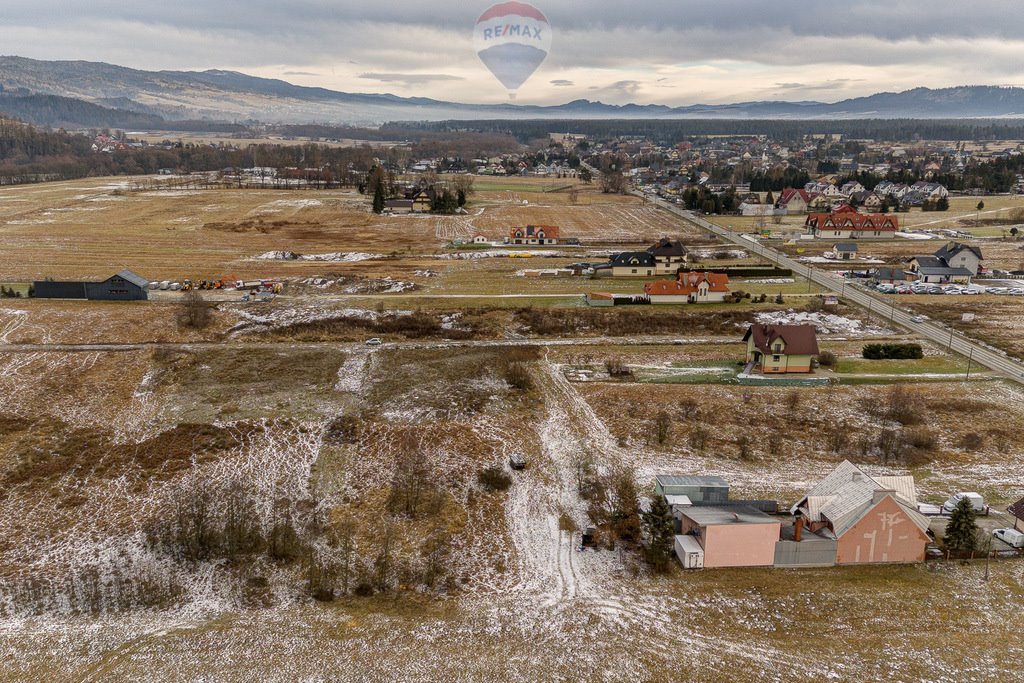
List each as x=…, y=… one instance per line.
x=659, y=529
x=378, y=198
x=962, y=529
x=769, y=199
x=942, y=205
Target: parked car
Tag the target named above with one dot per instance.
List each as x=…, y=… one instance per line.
x=1011, y=537
x=517, y=461
x=374, y=341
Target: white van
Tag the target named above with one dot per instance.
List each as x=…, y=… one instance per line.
x=977, y=502
x=1011, y=537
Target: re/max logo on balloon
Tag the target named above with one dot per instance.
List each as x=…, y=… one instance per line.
x=514, y=30
x=512, y=39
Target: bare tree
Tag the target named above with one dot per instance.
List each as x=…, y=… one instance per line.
x=194, y=312
x=699, y=436
x=662, y=427
x=413, y=488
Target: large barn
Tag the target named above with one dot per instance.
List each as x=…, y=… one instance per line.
x=124, y=286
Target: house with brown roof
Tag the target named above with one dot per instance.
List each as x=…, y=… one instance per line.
x=669, y=256
x=872, y=519
x=689, y=288
x=781, y=349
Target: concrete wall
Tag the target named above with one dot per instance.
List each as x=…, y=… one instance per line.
x=884, y=534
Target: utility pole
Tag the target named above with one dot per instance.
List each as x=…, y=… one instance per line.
x=970, y=357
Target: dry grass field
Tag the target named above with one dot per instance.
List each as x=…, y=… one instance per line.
x=91, y=228
x=515, y=592
x=270, y=498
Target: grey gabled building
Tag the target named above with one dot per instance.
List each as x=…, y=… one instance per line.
x=124, y=286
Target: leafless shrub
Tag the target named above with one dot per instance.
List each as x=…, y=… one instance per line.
x=194, y=312
x=698, y=438
x=971, y=441
x=662, y=427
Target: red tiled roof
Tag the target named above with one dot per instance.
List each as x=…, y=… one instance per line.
x=550, y=231
x=800, y=340
x=687, y=284
x=852, y=221
x=788, y=194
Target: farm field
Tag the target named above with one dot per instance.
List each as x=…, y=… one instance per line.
x=79, y=229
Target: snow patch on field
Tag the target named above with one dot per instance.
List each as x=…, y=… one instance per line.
x=283, y=317
x=335, y=257
x=825, y=323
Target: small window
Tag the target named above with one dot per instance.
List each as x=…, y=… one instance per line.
x=634, y=271
x=776, y=359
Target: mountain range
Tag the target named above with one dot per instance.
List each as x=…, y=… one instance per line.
x=89, y=94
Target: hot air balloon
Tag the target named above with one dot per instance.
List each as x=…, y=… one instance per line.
x=512, y=40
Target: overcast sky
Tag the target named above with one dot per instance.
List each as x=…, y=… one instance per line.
x=647, y=51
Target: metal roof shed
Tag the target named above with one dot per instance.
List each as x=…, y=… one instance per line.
x=701, y=490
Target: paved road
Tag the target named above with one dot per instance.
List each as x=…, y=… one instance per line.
x=886, y=308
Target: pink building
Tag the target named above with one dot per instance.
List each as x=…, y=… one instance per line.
x=873, y=519
x=732, y=536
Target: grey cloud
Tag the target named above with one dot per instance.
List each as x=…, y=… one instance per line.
x=409, y=79
x=562, y=83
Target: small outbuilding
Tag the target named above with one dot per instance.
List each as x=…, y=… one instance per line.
x=732, y=536
x=703, y=490
x=845, y=251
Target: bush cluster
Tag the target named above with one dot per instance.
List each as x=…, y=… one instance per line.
x=893, y=351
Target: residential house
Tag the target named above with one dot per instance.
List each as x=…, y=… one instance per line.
x=669, y=255
x=689, y=288
x=534, y=235
x=959, y=255
x=872, y=519
x=844, y=251
x=731, y=536
x=795, y=201
x=930, y=190
x=850, y=225
x=851, y=188
x=822, y=202
x=634, y=264
x=870, y=201
x=781, y=349
x=934, y=270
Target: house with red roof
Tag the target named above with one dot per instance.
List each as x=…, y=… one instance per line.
x=781, y=349
x=850, y=225
x=796, y=201
x=534, y=235
x=689, y=288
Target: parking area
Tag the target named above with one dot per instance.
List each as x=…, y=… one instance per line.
x=987, y=524
x=1012, y=288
